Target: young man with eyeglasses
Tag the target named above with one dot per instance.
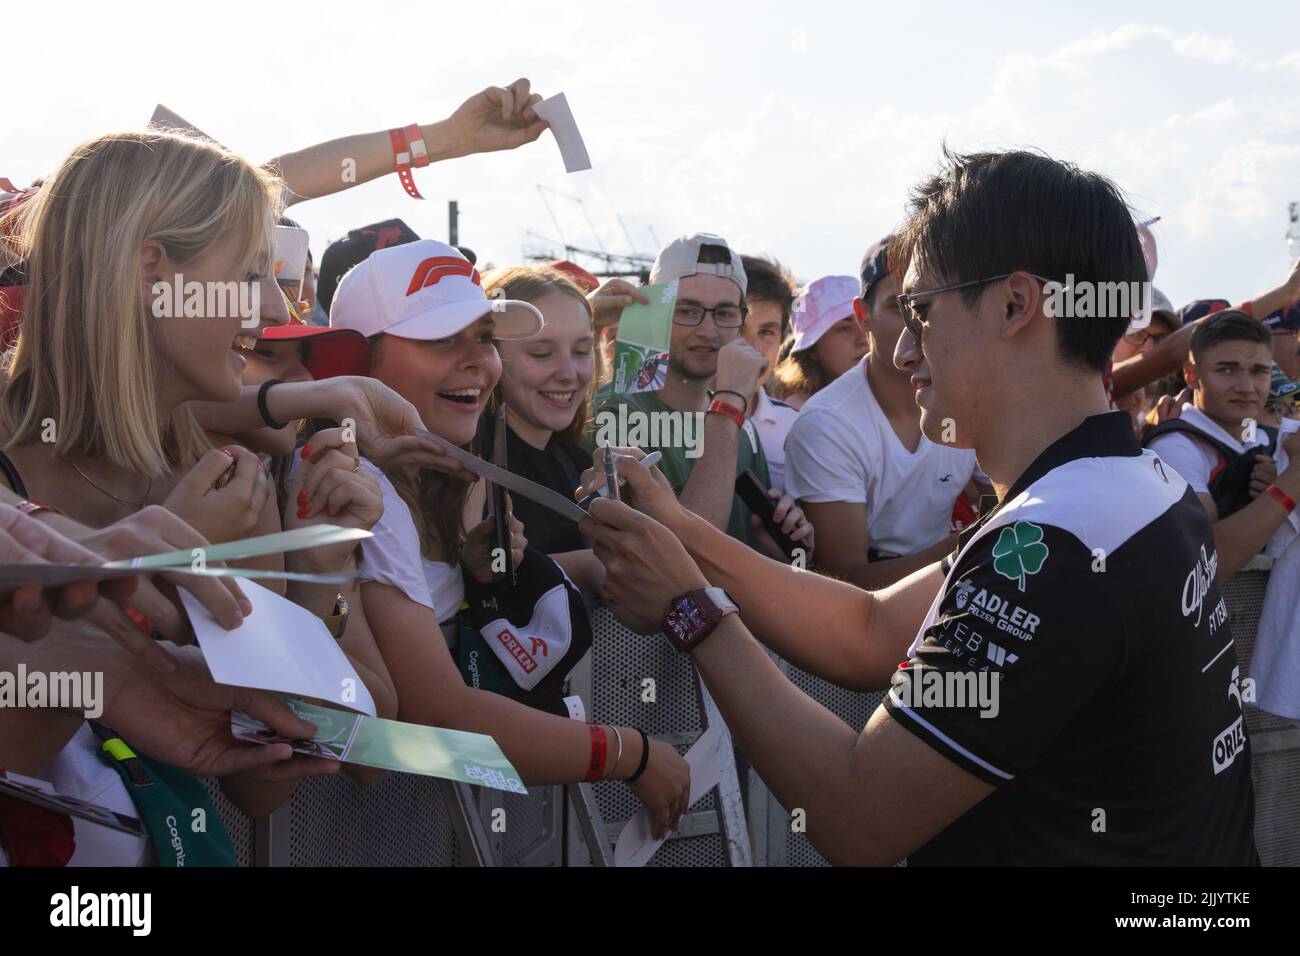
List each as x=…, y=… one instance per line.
x=1069, y=688
x=705, y=347
x=880, y=492
x=1164, y=322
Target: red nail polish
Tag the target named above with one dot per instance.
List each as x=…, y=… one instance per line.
x=304, y=511
x=138, y=619
x=302, y=497
x=306, y=452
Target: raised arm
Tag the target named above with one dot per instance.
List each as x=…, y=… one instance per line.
x=494, y=119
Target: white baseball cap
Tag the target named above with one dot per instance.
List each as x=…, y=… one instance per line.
x=423, y=290
x=681, y=258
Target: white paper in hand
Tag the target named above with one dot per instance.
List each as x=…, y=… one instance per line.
x=573, y=151
x=635, y=844
x=280, y=647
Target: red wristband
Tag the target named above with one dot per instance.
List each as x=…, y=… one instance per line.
x=729, y=410
x=1282, y=497
x=596, y=768
x=405, y=152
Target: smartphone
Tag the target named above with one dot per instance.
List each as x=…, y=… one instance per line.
x=754, y=495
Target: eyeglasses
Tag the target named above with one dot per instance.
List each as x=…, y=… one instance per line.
x=1142, y=336
x=912, y=318
x=724, y=316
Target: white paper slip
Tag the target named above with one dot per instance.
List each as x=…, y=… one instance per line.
x=636, y=845
x=279, y=647
x=573, y=150
x=164, y=118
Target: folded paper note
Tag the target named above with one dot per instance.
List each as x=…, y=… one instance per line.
x=279, y=647
x=392, y=745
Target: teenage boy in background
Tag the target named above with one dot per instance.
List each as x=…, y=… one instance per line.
x=879, y=491
x=1219, y=443
x=770, y=297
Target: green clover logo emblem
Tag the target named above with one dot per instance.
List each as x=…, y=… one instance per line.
x=1019, y=551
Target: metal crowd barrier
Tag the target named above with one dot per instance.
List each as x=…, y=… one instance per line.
x=405, y=820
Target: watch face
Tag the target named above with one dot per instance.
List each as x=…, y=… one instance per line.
x=692, y=617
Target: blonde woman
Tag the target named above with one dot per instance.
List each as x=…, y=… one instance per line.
x=93, y=417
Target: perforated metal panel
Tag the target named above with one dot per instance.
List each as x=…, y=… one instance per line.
x=611, y=681
x=239, y=826
x=533, y=822
x=403, y=820
x=784, y=846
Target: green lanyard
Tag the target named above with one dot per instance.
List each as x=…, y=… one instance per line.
x=173, y=805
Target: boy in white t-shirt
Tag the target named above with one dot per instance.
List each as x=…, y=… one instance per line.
x=1228, y=373
x=878, y=491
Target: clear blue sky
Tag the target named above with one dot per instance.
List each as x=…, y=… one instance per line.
x=792, y=129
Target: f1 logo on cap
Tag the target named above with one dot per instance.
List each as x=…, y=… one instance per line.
x=434, y=270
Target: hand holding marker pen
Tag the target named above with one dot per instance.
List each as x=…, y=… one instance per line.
x=612, y=481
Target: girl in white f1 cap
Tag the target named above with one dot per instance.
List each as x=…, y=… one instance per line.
x=431, y=331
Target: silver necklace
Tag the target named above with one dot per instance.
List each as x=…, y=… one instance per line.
x=132, y=504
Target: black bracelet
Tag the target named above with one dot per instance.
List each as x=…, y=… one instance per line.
x=262, y=407
x=645, y=757
x=744, y=402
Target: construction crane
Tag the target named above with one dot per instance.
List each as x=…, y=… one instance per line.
x=546, y=248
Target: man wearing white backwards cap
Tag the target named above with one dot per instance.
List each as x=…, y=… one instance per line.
x=878, y=491
x=705, y=346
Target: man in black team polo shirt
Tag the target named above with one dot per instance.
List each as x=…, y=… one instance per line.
x=1069, y=687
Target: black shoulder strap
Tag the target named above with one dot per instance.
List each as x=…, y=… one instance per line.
x=567, y=465
x=1178, y=425
x=11, y=475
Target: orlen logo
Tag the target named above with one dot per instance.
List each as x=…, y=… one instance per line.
x=516, y=650
x=433, y=270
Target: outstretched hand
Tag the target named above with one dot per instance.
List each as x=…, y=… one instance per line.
x=500, y=117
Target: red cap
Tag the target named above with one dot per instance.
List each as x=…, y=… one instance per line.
x=581, y=277
x=333, y=352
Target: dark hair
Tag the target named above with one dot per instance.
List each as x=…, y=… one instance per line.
x=769, y=282
x=985, y=214
x=1229, y=325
